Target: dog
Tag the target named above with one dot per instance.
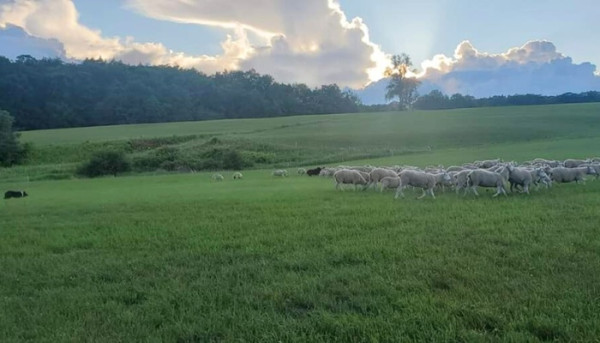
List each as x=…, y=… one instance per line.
x=15, y=194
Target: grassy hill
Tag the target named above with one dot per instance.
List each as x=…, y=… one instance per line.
x=179, y=257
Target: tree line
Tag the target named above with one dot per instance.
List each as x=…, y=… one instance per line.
x=50, y=93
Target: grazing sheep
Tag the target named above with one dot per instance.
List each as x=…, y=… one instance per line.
x=378, y=174
x=280, y=173
x=301, y=171
x=418, y=179
x=389, y=182
x=15, y=194
x=218, y=177
x=521, y=177
x=565, y=175
x=485, y=178
x=572, y=163
x=348, y=176
x=237, y=176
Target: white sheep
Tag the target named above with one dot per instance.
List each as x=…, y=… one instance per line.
x=348, y=176
x=486, y=178
x=301, y=171
x=237, y=176
x=489, y=163
x=573, y=163
x=280, y=173
x=378, y=174
x=389, y=182
x=460, y=180
x=565, y=175
x=520, y=177
x=218, y=177
x=422, y=180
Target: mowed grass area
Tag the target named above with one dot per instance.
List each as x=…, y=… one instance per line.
x=182, y=258
x=178, y=257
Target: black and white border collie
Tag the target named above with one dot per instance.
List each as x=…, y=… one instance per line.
x=15, y=194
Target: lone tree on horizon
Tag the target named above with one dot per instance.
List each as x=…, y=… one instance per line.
x=401, y=86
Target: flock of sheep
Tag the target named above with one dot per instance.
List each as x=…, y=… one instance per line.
x=468, y=177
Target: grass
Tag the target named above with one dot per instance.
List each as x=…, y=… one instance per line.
x=178, y=257
x=182, y=258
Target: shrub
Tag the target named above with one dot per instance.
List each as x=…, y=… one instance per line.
x=105, y=163
x=11, y=151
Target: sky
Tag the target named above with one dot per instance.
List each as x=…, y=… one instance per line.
x=477, y=47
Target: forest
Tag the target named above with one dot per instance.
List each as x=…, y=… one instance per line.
x=51, y=93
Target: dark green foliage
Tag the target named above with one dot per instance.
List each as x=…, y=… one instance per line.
x=11, y=151
x=232, y=160
x=436, y=100
x=49, y=93
x=105, y=163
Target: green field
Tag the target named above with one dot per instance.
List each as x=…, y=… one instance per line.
x=178, y=257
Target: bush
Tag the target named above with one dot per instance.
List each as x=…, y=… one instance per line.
x=233, y=160
x=105, y=163
x=11, y=151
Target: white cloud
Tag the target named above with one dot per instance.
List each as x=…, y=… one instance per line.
x=536, y=67
x=308, y=41
x=58, y=20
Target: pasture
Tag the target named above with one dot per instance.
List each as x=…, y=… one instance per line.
x=179, y=257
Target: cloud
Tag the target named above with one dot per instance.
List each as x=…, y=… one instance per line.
x=536, y=67
x=14, y=42
x=308, y=41
x=58, y=20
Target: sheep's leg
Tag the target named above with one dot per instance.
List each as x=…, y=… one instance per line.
x=399, y=192
x=422, y=195
x=504, y=190
x=431, y=192
x=474, y=189
x=526, y=189
x=337, y=185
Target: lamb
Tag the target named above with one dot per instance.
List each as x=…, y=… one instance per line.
x=301, y=171
x=421, y=180
x=572, y=163
x=378, y=174
x=521, y=177
x=315, y=171
x=485, y=178
x=565, y=175
x=389, y=182
x=218, y=177
x=280, y=173
x=347, y=176
x=237, y=176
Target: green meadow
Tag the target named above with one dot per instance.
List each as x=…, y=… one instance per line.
x=177, y=257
